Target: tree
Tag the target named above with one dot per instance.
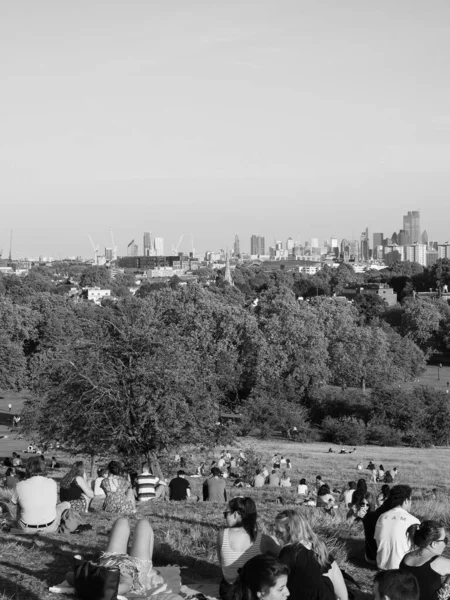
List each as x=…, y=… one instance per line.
x=420, y=322
x=12, y=364
x=96, y=277
x=370, y=307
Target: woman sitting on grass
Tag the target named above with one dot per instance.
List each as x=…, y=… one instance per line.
x=425, y=561
x=383, y=495
x=240, y=541
x=119, y=493
x=136, y=567
x=74, y=489
x=326, y=500
x=313, y=572
x=261, y=577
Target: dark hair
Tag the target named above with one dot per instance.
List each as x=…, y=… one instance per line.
x=303, y=481
x=381, y=467
x=9, y=471
x=181, y=472
x=352, y=485
x=145, y=465
x=246, y=509
x=215, y=471
x=323, y=490
x=35, y=466
x=369, y=498
x=398, y=495
x=258, y=471
x=423, y=534
x=75, y=471
x=397, y=585
x=361, y=485
x=385, y=490
x=115, y=468
x=100, y=472
x=319, y=477
x=259, y=574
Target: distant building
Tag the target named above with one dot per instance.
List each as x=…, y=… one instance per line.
x=378, y=241
x=132, y=249
x=432, y=257
x=144, y=263
x=444, y=250
x=315, y=243
x=393, y=253
x=236, y=247
x=424, y=237
x=416, y=253
x=108, y=253
x=365, y=255
x=257, y=245
x=95, y=294
x=148, y=243
x=381, y=290
x=159, y=246
x=411, y=225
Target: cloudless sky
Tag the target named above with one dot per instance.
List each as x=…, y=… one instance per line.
x=280, y=118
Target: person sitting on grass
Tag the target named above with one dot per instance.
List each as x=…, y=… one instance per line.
x=363, y=506
x=274, y=479
x=383, y=495
x=347, y=495
x=285, y=481
x=302, y=488
x=74, y=488
x=259, y=479
x=239, y=541
x=36, y=499
x=313, y=572
x=10, y=479
x=426, y=562
x=119, y=493
x=326, y=500
x=261, y=577
x=137, y=574
x=180, y=489
x=215, y=488
x=360, y=491
x=395, y=585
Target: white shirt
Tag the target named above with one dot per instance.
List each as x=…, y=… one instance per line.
x=99, y=491
x=36, y=498
x=347, y=496
x=390, y=536
x=302, y=489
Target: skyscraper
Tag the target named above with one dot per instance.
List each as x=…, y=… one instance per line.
x=257, y=245
x=236, y=246
x=159, y=246
x=378, y=245
x=411, y=225
x=148, y=243
x=365, y=244
x=132, y=249
x=424, y=237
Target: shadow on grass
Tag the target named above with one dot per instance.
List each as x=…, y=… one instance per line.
x=195, y=569
x=16, y=590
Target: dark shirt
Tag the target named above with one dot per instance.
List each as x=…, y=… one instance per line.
x=306, y=579
x=429, y=581
x=178, y=488
x=369, y=524
x=73, y=492
x=10, y=482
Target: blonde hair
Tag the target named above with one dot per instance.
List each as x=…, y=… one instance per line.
x=299, y=531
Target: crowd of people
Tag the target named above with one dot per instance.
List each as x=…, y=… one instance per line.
x=293, y=561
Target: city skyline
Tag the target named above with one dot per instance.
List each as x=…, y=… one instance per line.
x=241, y=117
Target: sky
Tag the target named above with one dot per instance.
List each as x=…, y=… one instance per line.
x=213, y=118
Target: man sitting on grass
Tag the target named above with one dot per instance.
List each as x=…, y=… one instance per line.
x=395, y=585
x=147, y=487
x=179, y=488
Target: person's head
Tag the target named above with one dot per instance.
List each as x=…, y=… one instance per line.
x=395, y=585
x=352, y=485
x=181, y=473
x=115, y=468
x=292, y=528
x=76, y=470
x=361, y=485
x=262, y=577
x=258, y=471
x=288, y=461
x=216, y=472
x=367, y=502
x=10, y=472
x=324, y=490
x=318, y=478
x=101, y=472
x=284, y=475
x=14, y=455
x=430, y=535
x=145, y=467
x=273, y=471
x=400, y=495
x=381, y=468
x=241, y=512
x=385, y=489
x=35, y=466
x=303, y=481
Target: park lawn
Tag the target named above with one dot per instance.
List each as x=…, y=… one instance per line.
x=185, y=532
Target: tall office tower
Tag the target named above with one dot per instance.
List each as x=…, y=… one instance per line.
x=411, y=225
x=236, y=246
x=444, y=250
x=345, y=249
x=132, y=249
x=377, y=242
x=290, y=245
x=402, y=238
x=424, y=237
x=315, y=243
x=148, y=243
x=354, y=250
x=394, y=238
x=334, y=243
x=108, y=253
x=365, y=244
x=257, y=245
x=159, y=246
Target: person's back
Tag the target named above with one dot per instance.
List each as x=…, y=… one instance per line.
x=391, y=527
x=259, y=480
x=179, y=488
x=395, y=584
x=216, y=490
x=10, y=482
x=37, y=498
x=274, y=480
x=145, y=484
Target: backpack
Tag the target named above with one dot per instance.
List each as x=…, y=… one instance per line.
x=70, y=520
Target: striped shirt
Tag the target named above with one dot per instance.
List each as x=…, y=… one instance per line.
x=145, y=486
x=232, y=560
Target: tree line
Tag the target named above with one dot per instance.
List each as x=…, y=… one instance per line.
x=144, y=374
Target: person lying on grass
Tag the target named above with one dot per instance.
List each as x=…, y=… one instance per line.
x=136, y=566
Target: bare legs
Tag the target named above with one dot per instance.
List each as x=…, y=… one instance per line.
x=142, y=546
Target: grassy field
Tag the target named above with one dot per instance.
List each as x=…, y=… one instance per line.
x=185, y=532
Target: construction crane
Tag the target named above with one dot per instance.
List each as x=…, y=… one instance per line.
x=95, y=248
x=175, y=248
x=114, y=246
